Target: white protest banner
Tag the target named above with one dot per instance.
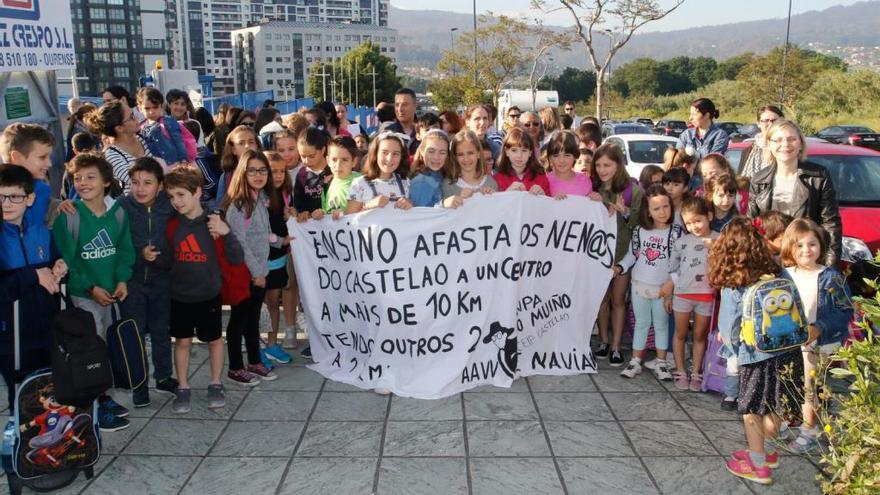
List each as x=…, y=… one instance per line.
x=430, y=302
x=36, y=35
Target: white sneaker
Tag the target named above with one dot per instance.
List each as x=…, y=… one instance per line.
x=662, y=372
x=632, y=369
x=290, y=338
x=651, y=364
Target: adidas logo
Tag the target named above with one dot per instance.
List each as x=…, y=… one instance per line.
x=99, y=247
x=189, y=251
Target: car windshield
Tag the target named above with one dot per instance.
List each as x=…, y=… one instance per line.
x=858, y=130
x=856, y=178
x=648, y=151
x=630, y=129
x=677, y=124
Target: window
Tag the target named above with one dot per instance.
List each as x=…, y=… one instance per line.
x=156, y=44
x=118, y=29
x=119, y=43
x=269, y=81
x=100, y=43
x=99, y=29
x=97, y=13
x=117, y=14
x=120, y=58
x=121, y=72
x=102, y=57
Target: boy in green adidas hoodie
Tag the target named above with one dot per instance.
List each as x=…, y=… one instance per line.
x=100, y=255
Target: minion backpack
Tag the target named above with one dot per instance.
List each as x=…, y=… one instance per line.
x=773, y=316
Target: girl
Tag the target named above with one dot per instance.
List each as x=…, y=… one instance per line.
x=647, y=259
x=771, y=225
x=278, y=277
x=650, y=175
x=624, y=198
x=585, y=161
x=721, y=194
x=738, y=259
x=518, y=169
x=826, y=299
x=692, y=293
x=385, y=176
x=238, y=141
x=675, y=181
x=560, y=153
x=467, y=171
x=248, y=219
x=715, y=165
x=165, y=137
x=429, y=164
x=312, y=179
x=341, y=155
x=181, y=108
x=285, y=142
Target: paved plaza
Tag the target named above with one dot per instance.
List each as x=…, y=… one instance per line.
x=302, y=434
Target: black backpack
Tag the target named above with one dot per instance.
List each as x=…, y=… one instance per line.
x=80, y=361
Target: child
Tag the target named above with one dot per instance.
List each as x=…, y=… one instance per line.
x=363, y=143
x=82, y=142
x=430, y=162
x=585, y=161
x=624, y=198
x=239, y=140
x=518, y=169
x=277, y=279
x=647, y=260
x=560, y=152
x=100, y=256
x=196, y=306
x=486, y=153
x=164, y=135
x=30, y=146
x=384, y=180
x=650, y=175
x=688, y=266
x=149, y=301
x=826, y=300
x=721, y=194
x=248, y=218
x=738, y=259
x=467, y=172
x=675, y=181
x=312, y=180
x=341, y=155
x=771, y=225
x=426, y=123
x=30, y=270
x=284, y=144
x=716, y=165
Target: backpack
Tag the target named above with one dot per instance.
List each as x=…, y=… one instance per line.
x=73, y=221
x=128, y=358
x=773, y=317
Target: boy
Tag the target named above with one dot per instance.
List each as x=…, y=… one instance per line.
x=30, y=146
x=29, y=273
x=148, y=301
x=164, y=135
x=100, y=256
x=196, y=280
x=81, y=142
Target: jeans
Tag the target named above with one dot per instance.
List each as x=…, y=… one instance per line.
x=648, y=311
x=150, y=307
x=244, y=320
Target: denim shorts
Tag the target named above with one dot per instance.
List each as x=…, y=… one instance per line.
x=684, y=305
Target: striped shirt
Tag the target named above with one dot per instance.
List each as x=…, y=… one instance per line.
x=120, y=160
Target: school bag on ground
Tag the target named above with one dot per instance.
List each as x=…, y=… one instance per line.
x=46, y=444
x=773, y=318
x=714, y=366
x=128, y=359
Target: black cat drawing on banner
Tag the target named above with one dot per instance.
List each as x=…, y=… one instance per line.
x=508, y=355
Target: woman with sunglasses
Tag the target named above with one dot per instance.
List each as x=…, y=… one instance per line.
x=757, y=155
x=118, y=124
x=531, y=122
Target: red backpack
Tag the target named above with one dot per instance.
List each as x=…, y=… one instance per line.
x=236, y=278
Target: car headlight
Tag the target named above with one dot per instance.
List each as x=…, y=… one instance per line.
x=855, y=249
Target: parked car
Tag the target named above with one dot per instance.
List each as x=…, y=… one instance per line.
x=855, y=172
x=672, y=128
x=641, y=149
x=730, y=128
x=746, y=131
x=855, y=135
x=642, y=120
x=613, y=129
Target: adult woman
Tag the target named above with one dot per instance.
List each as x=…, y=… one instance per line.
x=757, y=155
x=477, y=120
x=334, y=127
x=532, y=124
x=796, y=187
x=704, y=137
x=549, y=119
x=116, y=122
x=450, y=122
x=246, y=118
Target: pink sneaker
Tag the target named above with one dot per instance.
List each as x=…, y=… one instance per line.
x=696, y=384
x=772, y=457
x=681, y=379
x=745, y=469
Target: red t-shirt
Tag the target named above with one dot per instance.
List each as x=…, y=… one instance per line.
x=529, y=179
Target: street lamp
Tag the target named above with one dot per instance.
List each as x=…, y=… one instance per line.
x=610, y=34
x=452, y=47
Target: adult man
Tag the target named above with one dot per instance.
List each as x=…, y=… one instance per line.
x=568, y=108
x=353, y=128
x=405, y=113
x=512, y=118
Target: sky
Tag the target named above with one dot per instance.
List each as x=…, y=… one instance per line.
x=687, y=15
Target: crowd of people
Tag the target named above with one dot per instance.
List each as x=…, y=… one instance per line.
x=170, y=199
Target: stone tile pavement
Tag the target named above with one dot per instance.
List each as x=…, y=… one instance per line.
x=302, y=434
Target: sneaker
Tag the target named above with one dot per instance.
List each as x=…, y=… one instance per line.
x=140, y=396
x=306, y=352
x=728, y=404
x=681, y=380
x=786, y=433
x=772, y=457
x=108, y=421
x=651, y=364
x=264, y=359
x=746, y=469
x=114, y=407
x=696, y=384
x=276, y=353
x=662, y=371
x=216, y=396
x=167, y=385
x=602, y=351
x=290, y=338
x=632, y=369
x=616, y=359
x=181, y=403
x=243, y=377
x=265, y=374
x=804, y=444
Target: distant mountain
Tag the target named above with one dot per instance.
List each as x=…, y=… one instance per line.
x=850, y=32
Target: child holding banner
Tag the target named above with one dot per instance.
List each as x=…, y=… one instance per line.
x=518, y=169
x=467, y=172
x=429, y=165
x=285, y=144
x=385, y=176
x=342, y=154
x=560, y=153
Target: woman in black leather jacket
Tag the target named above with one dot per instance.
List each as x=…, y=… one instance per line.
x=795, y=186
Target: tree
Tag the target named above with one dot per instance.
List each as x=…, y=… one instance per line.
x=573, y=84
x=448, y=93
x=624, y=17
x=729, y=69
x=354, y=69
x=544, y=40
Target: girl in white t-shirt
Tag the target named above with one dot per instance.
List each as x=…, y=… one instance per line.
x=384, y=178
x=467, y=172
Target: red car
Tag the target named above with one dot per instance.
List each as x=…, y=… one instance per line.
x=855, y=172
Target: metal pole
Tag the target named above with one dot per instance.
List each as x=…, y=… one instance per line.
x=324, y=82
x=357, y=75
x=784, y=57
x=374, y=86
x=350, y=99
x=475, y=42
x=452, y=47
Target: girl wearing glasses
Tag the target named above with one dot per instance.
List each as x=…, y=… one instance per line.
x=796, y=187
